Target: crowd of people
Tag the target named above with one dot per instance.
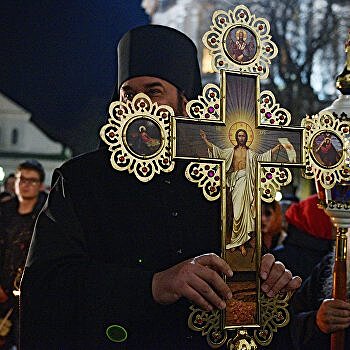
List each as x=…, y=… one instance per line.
x=122, y=266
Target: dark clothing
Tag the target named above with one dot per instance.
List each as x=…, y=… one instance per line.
x=15, y=232
x=96, y=247
x=304, y=332
x=4, y=197
x=301, y=252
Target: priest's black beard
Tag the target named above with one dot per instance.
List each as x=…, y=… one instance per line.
x=179, y=108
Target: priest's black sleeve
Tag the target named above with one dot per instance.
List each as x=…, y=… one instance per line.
x=68, y=298
x=96, y=246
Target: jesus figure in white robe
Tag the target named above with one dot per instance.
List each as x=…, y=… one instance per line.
x=241, y=163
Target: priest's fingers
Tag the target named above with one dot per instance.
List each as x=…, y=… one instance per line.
x=267, y=262
x=293, y=284
x=277, y=279
x=192, y=295
x=283, y=277
x=171, y=284
x=206, y=293
x=214, y=262
x=214, y=282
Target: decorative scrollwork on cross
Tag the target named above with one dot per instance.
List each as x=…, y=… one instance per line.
x=272, y=179
x=208, y=323
x=138, y=134
x=275, y=315
x=239, y=41
x=327, y=151
x=207, y=107
x=207, y=176
x=271, y=113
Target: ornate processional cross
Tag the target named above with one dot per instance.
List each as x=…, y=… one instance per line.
x=240, y=147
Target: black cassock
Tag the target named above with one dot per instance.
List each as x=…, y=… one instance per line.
x=96, y=246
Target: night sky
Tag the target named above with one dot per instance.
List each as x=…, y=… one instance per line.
x=58, y=62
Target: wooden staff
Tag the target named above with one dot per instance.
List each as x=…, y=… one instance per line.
x=339, y=283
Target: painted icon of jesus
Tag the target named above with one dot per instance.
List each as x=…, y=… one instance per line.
x=240, y=162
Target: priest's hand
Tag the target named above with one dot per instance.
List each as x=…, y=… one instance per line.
x=198, y=280
x=276, y=278
x=333, y=315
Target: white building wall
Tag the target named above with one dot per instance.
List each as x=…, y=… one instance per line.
x=30, y=138
x=30, y=141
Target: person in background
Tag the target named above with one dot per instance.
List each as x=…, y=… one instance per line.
x=309, y=237
x=272, y=231
x=9, y=188
x=16, y=226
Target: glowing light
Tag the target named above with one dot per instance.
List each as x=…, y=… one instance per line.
x=2, y=173
x=278, y=196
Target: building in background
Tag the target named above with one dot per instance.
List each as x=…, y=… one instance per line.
x=20, y=139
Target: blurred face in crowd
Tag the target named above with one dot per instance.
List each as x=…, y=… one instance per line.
x=271, y=220
x=10, y=185
x=28, y=184
x=158, y=90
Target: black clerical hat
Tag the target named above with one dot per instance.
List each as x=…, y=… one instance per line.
x=162, y=52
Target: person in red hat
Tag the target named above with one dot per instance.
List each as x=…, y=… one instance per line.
x=309, y=237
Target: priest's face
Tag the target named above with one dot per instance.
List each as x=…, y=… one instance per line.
x=158, y=90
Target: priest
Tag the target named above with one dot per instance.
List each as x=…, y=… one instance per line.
x=114, y=260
